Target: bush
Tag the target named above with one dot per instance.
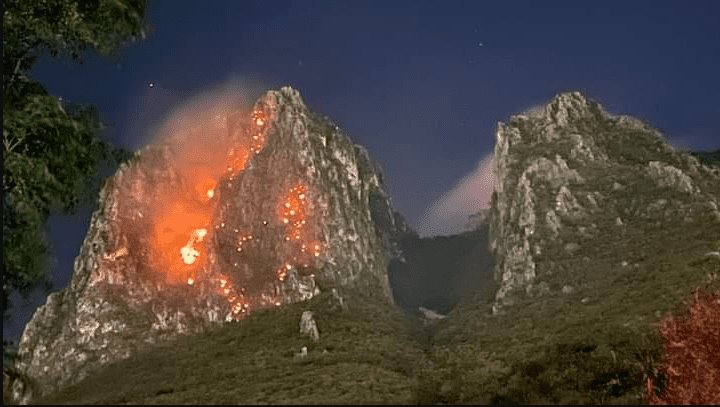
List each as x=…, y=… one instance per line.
x=690, y=372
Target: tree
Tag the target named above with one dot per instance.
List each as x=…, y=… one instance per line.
x=51, y=149
x=690, y=372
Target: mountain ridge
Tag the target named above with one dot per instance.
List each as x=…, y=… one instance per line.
x=564, y=314
x=294, y=214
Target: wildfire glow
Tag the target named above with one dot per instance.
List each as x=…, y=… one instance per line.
x=182, y=215
x=293, y=212
x=188, y=252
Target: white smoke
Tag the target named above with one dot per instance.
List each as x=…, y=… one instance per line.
x=449, y=214
x=534, y=111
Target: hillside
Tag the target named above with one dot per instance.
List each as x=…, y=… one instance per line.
x=366, y=354
x=232, y=210
x=596, y=344
x=561, y=348
x=598, y=229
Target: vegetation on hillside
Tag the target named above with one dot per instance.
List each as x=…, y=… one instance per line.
x=708, y=157
x=52, y=152
x=690, y=370
x=366, y=354
x=588, y=331
x=598, y=344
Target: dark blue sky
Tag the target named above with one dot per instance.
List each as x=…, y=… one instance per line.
x=407, y=79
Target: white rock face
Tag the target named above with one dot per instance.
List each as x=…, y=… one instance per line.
x=575, y=169
x=567, y=107
x=308, y=327
x=303, y=352
x=565, y=202
x=118, y=300
x=585, y=150
x=669, y=176
x=552, y=221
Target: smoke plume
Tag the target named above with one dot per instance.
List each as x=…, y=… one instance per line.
x=449, y=214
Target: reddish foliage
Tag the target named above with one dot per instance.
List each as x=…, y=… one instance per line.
x=691, y=362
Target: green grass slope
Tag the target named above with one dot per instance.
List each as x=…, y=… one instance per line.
x=366, y=354
x=595, y=345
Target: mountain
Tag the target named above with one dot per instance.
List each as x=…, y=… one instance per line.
x=235, y=210
x=598, y=229
x=574, y=175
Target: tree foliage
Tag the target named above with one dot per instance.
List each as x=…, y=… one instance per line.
x=51, y=149
x=708, y=157
x=690, y=373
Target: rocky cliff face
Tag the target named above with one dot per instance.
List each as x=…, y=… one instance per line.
x=280, y=206
x=573, y=173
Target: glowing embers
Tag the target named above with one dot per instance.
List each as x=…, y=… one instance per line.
x=258, y=118
x=253, y=143
x=242, y=239
x=204, y=188
x=178, y=236
x=257, y=133
x=189, y=253
x=182, y=217
x=282, y=271
x=239, y=306
x=293, y=212
x=237, y=159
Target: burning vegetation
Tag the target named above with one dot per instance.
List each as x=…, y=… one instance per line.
x=187, y=230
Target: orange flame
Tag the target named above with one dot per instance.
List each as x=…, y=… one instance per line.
x=183, y=217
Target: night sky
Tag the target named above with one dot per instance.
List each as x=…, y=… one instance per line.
x=421, y=84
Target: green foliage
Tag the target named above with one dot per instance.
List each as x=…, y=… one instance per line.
x=550, y=349
x=52, y=153
x=366, y=354
x=597, y=345
x=708, y=157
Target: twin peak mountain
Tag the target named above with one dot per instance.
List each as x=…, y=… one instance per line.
x=241, y=211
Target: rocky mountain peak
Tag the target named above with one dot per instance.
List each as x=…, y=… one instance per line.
x=573, y=174
x=569, y=106
x=236, y=209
